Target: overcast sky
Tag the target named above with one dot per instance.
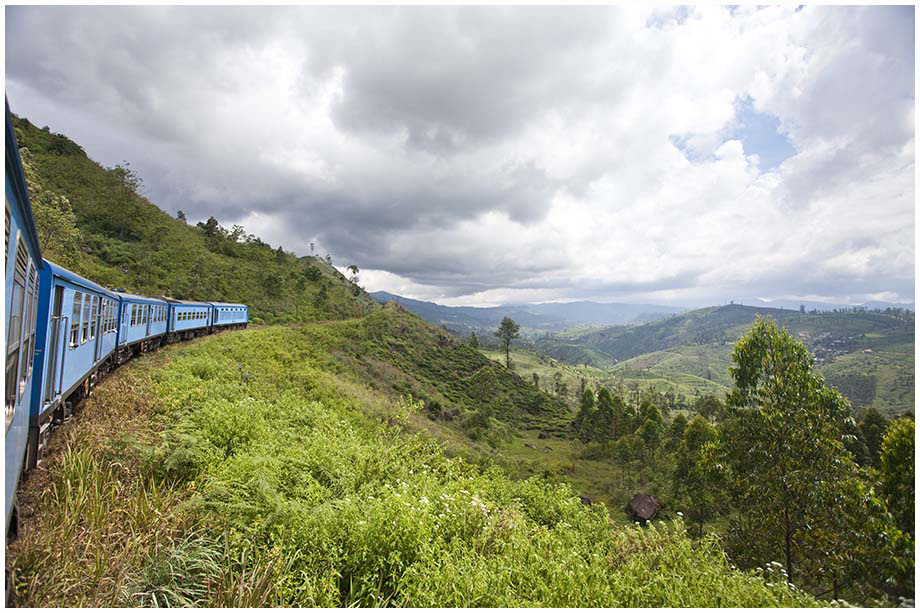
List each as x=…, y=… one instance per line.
x=489, y=155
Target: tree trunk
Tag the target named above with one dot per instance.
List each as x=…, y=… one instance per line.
x=788, y=533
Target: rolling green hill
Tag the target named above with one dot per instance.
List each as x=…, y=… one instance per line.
x=867, y=355
x=93, y=221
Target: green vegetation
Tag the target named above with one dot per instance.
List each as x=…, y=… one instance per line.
x=867, y=355
x=507, y=332
x=299, y=485
x=94, y=221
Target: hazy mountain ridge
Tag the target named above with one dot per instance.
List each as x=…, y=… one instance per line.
x=534, y=319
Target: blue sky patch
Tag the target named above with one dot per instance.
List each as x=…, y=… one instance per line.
x=760, y=134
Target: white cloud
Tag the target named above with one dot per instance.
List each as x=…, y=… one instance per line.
x=480, y=155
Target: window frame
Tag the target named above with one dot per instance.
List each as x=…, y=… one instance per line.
x=76, y=309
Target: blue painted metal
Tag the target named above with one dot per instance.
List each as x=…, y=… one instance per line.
x=77, y=342
x=229, y=314
x=140, y=318
x=21, y=304
x=186, y=315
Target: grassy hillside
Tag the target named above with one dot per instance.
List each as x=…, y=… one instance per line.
x=93, y=221
x=258, y=469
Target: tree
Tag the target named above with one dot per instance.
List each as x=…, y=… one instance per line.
x=180, y=215
x=354, y=279
x=55, y=220
x=474, y=340
x=603, y=416
x=710, y=407
x=321, y=297
x=790, y=473
x=536, y=381
x=125, y=209
x=676, y=431
x=211, y=227
x=507, y=332
x=695, y=475
x=872, y=428
x=583, y=421
x=897, y=472
x=279, y=255
x=312, y=273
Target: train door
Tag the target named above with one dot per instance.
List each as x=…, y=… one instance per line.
x=97, y=322
x=123, y=314
x=55, y=346
x=147, y=310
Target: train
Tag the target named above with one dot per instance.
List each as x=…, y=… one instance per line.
x=64, y=332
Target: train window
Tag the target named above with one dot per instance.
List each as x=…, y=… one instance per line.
x=15, y=328
x=28, y=339
x=27, y=307
x=6, y=251
x=34, y=319
x=87, y=304
x=94, y=313
x=146, y=308
x=133, y=314
x=75, y=319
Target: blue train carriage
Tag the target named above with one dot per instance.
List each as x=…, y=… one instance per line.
x=228, y=316
x=142, y=325
x=78, y=335
x=187, y=319
x=23, y=265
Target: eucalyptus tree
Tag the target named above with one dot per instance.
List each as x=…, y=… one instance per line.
x=795, y=489
x=507, y=332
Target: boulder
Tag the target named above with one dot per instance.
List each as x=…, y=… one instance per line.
x=642, y=508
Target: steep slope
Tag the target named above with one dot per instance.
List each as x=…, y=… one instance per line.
x=397, y=351
x=92, y=220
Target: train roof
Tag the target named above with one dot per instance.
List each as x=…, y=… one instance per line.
x=138, y=298
x=73, y=277
x=186, y=302
x=227, y=304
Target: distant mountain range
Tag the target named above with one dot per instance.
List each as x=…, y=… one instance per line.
x=533, y=318
x=820, y=306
